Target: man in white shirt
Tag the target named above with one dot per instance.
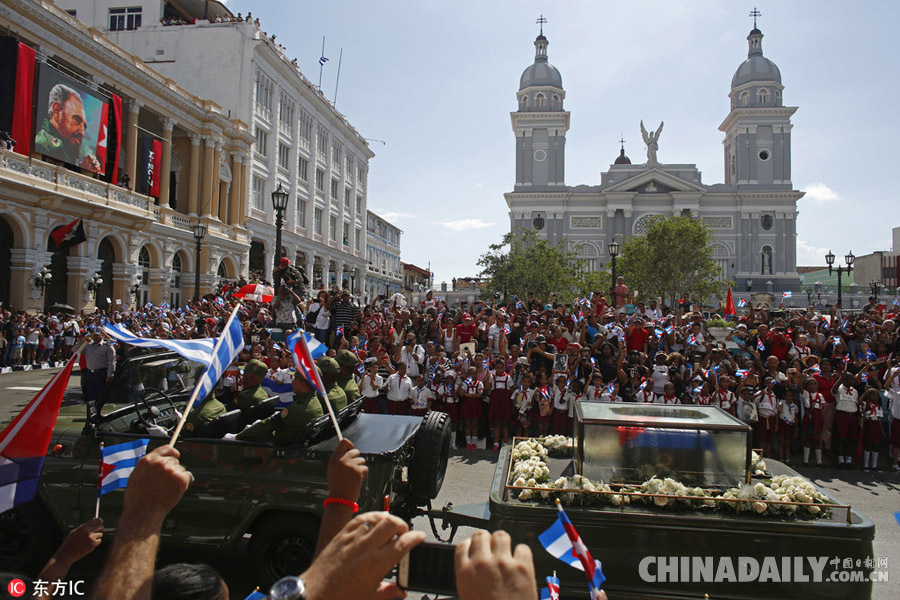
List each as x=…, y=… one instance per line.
x=370, y=387
x=412, y=355
x=399, y=391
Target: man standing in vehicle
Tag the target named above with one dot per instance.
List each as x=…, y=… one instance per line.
x=100, y=365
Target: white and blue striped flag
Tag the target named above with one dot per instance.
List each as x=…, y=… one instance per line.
x=116, y=464
x=197, y=350
x=227, y=347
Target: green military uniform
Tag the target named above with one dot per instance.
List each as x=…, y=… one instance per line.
x=285, y=427
x=48, y=141
x=337, y=397
x=248, y=398
x=347, y=359
x=208, y=411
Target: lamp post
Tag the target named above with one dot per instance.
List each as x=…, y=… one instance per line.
x=199, y=233
x=42, y=279
x=279, y=202
x=613, y=253
x=829, y=259
x=94, y=284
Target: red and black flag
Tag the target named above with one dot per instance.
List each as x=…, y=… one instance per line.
x=69, y=235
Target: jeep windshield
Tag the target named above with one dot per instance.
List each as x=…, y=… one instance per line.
x=165, y=371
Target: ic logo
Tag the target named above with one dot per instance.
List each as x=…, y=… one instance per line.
x=16, y=588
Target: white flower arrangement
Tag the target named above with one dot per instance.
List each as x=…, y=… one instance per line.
x=530, y=470
x=757, y=464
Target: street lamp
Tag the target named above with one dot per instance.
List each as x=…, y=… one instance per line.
x=829, y=259
x=279, y=202
x=613, y=253
x=199, y=233
x=42, y=279
x=94, y=284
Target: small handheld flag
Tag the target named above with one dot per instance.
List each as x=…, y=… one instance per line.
x=306, y=367
x=551, y=592
x=741, y=303
x=562, y=541
x=785, y=295
x=760, y=346
x=117, y=462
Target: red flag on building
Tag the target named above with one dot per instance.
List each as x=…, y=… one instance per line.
x=729, y=305
x=69, y=235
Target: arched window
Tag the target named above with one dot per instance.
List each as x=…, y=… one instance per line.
x=766, y=260
x=642, y=224
x=557, y=102
x=762, y=96
x=523, y=102
x=539, y=101
x=175, y=288
x=720, y=255
x=745, y=98
x=588, y=254
x=777, y=98
x=144, y=276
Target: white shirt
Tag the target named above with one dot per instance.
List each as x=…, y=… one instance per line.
x=560, y=399
x=767, y=404
x=787, y=411
x=412, y=359
x=421, y=397
x=500, y=382
x=399, y=388
x=847, y=399
x=368, y=387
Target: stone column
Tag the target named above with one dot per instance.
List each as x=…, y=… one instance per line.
x=21, y=265
x=216, y=174
x=339, y=268
x=131, y=136
x=234, y=214
x=310, y=261
x=194, y=182
x=206, y=179
x=166, y=161
x=244, y=193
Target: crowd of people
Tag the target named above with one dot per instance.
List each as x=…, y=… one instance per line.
x=821, y=386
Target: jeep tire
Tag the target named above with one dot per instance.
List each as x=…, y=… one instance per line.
x=282, y=544
x=28, y=537
x=431, y=452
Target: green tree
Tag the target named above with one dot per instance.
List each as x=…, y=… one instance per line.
x=524, y=262
x=673, y=258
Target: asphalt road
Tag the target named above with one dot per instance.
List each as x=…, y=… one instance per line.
x=876, y=495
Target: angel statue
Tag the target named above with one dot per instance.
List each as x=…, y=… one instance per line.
x=652, y=141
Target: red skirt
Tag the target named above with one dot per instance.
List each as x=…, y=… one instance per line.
x=471, y=408
x=419, y=412
x=872, y=432
x=537, y=417
x=561, y=422
x=765, y=429
x=452, y=409
x=500, y=406
x=398, y=408
x=786, y=430
x=846, y=425
x=370, y=405
x=895, y=432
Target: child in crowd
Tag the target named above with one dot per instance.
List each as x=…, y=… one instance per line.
x=813, y=421
x=522, y=403
x=560, y=405
x=766, y=406
x=788, y=410
x=870, y=404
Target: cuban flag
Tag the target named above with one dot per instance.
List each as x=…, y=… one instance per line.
x=551, y=592
x=785, y=295
x=741, y=303
x=742, y=373
x=304, y=361
x=24, y=442
x=197, y=350
x=692, y=341
x=759, y=345
x=256, y=292
x=562, y=541
x=220, y=301
x=116, y=464
x=228, y=346
x=284, y=391
x=670, y=329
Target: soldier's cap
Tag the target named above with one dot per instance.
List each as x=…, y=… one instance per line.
x=256, y=367
x=329, y=366
x=345, y=358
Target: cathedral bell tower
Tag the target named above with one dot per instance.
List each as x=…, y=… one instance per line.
x=540, y=125
x=758, y=129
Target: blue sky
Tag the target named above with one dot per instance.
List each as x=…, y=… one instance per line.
x=436, y=81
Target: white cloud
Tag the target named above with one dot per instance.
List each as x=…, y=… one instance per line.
x=464, y=224
x=393, y=215
x=810, y=256
x=819, y=192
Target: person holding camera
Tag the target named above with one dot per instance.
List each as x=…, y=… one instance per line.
x=412, y=355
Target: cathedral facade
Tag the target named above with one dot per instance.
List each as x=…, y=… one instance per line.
x=752, y=215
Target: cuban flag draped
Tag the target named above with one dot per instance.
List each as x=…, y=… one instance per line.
x=228, y=346
x=116, y=464
x=197, y=350
x=24, y=442
x=276, y=386
x=304, y=361
x=551, y=592
x=562, y=541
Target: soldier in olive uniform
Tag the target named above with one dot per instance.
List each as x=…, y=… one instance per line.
x=285, y=427
x=330, y=372
x=253, y=393
x=348, y=361
x=199, y=417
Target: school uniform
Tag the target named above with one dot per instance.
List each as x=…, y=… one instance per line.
x=472, y=391
x=767, y=425
x=500, y=402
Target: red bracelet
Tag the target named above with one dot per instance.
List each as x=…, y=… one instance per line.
x=343, y=501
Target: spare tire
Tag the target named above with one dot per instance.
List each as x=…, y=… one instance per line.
x=431, y=452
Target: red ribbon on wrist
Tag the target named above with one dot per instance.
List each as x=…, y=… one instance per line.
x=342, y=501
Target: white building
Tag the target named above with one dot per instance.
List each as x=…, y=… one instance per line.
x=302, y=142
x=384, y=270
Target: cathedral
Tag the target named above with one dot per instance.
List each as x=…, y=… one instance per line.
x=752, y=216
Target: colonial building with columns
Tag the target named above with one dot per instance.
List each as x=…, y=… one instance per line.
x=384, y=270
x=140, y=244
x=752, y=215
x=301, y=142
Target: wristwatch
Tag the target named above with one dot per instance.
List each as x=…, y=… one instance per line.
x=288, y=588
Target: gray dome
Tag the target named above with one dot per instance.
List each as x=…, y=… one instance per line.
x=755, y=68
x=540, y=73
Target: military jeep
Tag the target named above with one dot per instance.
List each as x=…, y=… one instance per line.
x=273, y=493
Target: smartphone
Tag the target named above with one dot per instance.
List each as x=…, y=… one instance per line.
x=429, y=567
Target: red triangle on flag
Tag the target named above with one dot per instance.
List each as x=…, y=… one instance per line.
x=106, y=469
